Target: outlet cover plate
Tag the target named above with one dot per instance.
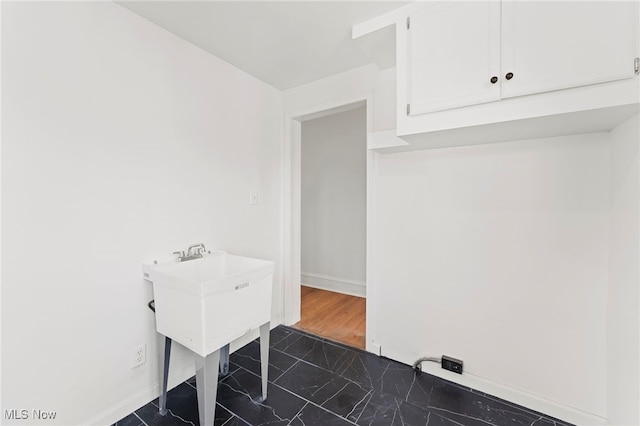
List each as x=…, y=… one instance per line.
x=138, y=355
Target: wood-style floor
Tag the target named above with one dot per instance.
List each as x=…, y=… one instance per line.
x=336, y=316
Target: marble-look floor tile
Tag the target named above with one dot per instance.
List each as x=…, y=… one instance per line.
x=277, y=334
x=323, y=388
x=192, y=380
x=541, y=419
x=360, y=367
x=150, y=415
x=312, y=415
x=182, y=406
x=286, y=341
x=546, y=421
x=314, y=381
x=226, y=418
x=130, y=420
x=380, y=409
x=324, y=354
x=437, y=420
x=232, y=367
x=248, y=357
x=472, y=408
x=241, y=392
x=397, y=380
x=297, y=345
x=327, y=340
x=236, y=421
x=182, y=409
x=420, y=389
x=346, y=399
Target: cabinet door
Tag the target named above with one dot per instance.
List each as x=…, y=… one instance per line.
x=562, y=44
x=453, y=52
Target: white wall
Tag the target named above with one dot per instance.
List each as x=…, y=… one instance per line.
x=510, y=242
x=384, y=100
x=120, y=143
x=312, y=97
x=623, y=298
x=333, y=195
x=366, y=81
x=498, y=255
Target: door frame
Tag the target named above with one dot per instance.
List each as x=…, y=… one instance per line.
x=291, y=218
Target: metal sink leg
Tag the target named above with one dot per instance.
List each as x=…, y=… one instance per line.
x=207, y=386
x=165, y=376
x=224, y=360
x=264, y=357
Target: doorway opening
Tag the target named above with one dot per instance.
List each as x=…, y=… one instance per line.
x=333, y=225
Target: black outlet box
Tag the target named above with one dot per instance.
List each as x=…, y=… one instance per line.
x=452, y=364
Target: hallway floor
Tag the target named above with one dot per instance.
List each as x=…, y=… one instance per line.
x=336, y=316
x=313, y=381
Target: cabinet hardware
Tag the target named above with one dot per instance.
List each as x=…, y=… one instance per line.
x=408, y=22
x=509, y=76
x=408, y=109
x=636, y=65
x=494, y=80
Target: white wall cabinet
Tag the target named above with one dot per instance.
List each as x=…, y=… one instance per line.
x=556, y=45
x=453, y=50
x=467, y=53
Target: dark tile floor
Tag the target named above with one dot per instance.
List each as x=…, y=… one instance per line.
x=313, y=381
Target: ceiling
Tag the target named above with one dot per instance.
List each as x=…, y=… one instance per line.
x=284, y=43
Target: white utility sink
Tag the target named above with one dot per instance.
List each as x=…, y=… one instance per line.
x=206, y=303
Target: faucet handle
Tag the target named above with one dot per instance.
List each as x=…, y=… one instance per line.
x=179, y=254
x=196, y=249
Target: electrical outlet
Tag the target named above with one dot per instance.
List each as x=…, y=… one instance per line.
x=451, y=364
x=138, y=355
x=253, y=198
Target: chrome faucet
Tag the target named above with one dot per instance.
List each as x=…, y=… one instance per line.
x=194, y=251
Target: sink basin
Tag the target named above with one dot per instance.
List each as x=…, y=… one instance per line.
x=206, y=303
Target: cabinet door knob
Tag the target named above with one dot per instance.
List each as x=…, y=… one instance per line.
x=509, y=76
x=494, y=79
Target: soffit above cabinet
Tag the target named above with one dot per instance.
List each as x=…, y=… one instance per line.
x=377, y=36
x=380, y=46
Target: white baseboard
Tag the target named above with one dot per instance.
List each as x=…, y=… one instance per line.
x=510, y=394
x=339, y=285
